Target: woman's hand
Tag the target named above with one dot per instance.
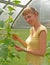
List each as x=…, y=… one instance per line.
x=15, y=37
x=18, y=48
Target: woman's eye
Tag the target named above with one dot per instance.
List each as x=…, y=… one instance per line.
x=29, y=16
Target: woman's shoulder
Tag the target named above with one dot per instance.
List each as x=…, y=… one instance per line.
x=42, y=28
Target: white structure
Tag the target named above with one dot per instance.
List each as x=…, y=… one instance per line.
x=43, y=7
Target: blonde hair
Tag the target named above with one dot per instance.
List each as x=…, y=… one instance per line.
x=29, y=10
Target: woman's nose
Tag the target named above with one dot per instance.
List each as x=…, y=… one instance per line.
x=27, y=19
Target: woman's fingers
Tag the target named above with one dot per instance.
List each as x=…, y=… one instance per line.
x=15, y=37
x=18, y=48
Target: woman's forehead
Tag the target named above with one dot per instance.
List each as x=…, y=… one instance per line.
x=27, y=13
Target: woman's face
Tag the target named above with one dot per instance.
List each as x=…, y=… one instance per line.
x=30, y=18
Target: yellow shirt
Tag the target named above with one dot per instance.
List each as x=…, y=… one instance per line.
x=33, y=43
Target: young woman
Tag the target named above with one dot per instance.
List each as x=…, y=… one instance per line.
x=35, y=44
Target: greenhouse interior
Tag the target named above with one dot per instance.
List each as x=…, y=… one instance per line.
x=13, y=22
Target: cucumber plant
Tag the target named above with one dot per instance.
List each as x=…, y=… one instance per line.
x=6, y=41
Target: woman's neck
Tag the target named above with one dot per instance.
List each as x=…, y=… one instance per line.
x=37, y=25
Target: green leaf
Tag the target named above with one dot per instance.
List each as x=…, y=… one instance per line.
x=10, y=8
x=1, y=24
x=14, y=54
x=11, y=55
x=7, y=27
x=3, y=51
x=8, y=42
x=16, y=1
x=8, y=59
x=9, y=20
x=3, y=61
x=10, y=13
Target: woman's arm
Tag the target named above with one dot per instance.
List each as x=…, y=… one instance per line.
x=17, y=38
x=41, y=51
